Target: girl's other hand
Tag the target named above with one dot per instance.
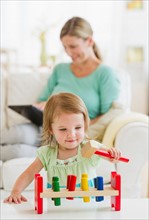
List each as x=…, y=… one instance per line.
x=15, y=198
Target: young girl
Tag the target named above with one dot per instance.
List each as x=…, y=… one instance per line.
x=65, y=122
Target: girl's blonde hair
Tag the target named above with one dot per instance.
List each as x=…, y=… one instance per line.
x=61, y=103
x=79, y=27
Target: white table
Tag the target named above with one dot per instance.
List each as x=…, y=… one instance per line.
x=75, y=209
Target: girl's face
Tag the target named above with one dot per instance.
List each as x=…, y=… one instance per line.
x=77, y=48
x=68, y=130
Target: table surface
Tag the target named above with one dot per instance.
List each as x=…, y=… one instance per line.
x=74, y=209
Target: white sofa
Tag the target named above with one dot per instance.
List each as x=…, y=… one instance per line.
x=18, y=146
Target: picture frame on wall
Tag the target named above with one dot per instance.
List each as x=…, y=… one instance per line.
x=134, y=4
x=135, y=55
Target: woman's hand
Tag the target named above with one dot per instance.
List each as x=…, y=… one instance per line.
x=40, y=105
x=16, y=198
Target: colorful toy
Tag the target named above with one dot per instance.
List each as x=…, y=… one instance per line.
x=56, y=188
x=71, y=184
x=84, y=191
x=98, y=182
x=90, y=148
x=84, y=186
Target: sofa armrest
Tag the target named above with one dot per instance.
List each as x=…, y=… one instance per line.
x=132, y=141
x=1, y=182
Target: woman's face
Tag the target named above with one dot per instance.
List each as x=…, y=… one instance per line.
x=77, y=48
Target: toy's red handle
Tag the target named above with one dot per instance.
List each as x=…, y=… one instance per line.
x=106, y=154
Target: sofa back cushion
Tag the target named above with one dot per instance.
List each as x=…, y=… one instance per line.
x=25, y=88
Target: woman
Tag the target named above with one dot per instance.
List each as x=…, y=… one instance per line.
x=86, y=76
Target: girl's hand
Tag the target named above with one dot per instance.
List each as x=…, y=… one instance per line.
x=15, y=198
x=114, y=153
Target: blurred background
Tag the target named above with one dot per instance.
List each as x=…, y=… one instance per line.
x=30, y=37
x=30, y=47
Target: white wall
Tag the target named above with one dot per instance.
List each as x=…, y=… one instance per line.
x=21, y=21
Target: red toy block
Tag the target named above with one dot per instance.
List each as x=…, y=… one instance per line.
x=35, y=198
x=116, y=184
x=38, y=190
x=71, y=184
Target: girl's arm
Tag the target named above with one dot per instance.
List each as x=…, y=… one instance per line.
x=23, y=181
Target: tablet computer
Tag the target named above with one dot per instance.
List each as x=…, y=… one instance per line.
x=30, y=112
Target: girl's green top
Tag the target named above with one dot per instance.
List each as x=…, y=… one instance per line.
x=98, y=90
x=76, y=165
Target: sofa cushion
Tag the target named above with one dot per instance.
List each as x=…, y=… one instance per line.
x=26, y=133
x=13, y=168
x=11, y=151
x=23, y=89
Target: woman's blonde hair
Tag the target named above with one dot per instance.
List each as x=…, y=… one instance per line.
x=79, y=27
x=61, y=103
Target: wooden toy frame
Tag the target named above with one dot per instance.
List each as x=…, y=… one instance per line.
x=114, y=191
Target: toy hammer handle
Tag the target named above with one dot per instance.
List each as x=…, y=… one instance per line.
x=105, y=154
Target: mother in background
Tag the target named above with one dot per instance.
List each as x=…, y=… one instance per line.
x=86, y=76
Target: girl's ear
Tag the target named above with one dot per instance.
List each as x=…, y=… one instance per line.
x=90, y=41
x=51, y=132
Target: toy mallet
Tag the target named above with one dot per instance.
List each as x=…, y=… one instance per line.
x=89, y=149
